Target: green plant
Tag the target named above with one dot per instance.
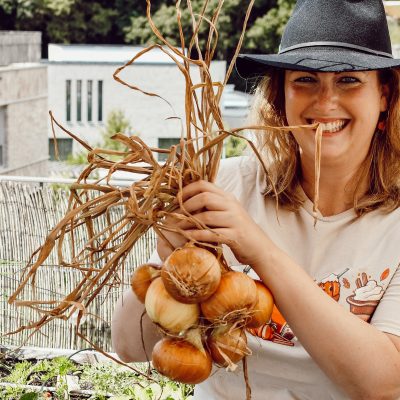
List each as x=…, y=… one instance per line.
x=106, y=380
x=124, y=384
x=235, y=146
x=116, y=123
x=20, y=373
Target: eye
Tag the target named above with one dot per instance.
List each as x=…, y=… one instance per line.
x=305, y=79
x=349, y=79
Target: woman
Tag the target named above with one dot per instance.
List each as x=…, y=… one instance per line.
x=335, y=69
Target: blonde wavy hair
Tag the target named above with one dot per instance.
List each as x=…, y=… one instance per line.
x=281, y=152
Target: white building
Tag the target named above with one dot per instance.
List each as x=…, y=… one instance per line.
x=23, y=105
x=82, y=92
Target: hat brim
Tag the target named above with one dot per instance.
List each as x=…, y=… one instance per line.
x=317, y=59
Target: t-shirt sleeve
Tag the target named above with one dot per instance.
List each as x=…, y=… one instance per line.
x=387, y=315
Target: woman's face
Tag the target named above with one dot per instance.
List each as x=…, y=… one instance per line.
x=347, y=103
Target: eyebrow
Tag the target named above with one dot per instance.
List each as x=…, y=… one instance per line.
x=317, y=72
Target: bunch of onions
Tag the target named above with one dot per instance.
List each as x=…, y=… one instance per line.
x=191, y=274
x=235, y=297
x=184, y=360
x=190, y=286
x=171, y=315
x=228, y=345
x=263, y=309
x=142, y=277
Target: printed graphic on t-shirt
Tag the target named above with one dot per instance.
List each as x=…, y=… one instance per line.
x=355, y=289
x=365, y=297
x=276, y=330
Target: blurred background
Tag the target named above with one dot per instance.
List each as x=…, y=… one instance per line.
x=60, y=55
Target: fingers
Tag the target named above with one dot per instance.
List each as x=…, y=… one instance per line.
x=218, y=235
x=198, y=187
x=205, y=201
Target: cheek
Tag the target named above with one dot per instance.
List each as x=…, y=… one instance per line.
x=292, y=106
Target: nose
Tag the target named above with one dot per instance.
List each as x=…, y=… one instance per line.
x=326, y=97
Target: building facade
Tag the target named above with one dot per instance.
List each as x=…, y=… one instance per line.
x=23, y=105
x=83, y=92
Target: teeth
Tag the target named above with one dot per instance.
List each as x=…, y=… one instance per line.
x=332, y=127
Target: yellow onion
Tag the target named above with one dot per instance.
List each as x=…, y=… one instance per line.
x=142, y=277
x=235, y=297
x=182, y=360
x=165, y=311
x=191, y=274
x=227, y=346
x=263, y=309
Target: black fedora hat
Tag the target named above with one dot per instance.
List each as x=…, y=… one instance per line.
x=330, y=36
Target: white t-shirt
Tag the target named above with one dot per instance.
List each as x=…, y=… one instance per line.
x=356, y=261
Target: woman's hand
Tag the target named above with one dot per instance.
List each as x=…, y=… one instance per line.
x=228, y=221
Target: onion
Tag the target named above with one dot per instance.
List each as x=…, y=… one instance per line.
x=142, y=277
x=191, y=274
x=165, y=311
x=228, y=345
x=263, y=309
x=235, y=297
x=183, y=360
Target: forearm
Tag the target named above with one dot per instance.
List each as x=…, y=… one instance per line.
x=128, y=328
x=354, y=354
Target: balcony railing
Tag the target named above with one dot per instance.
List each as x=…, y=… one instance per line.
x=29, y=209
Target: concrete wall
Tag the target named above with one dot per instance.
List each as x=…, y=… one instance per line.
x=19, y=46
x=147, y=115
x=23, y=97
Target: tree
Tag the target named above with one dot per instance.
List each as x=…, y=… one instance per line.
x=119, y=21
x=116, y=123
x=229, y=24
x=265, y=33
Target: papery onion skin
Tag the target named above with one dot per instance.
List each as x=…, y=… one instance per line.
x=236, y=295
x=191, y=274
x=165, y=311
x=181, y=361
x=142, y=277
x=230, y=341
x=263, y=309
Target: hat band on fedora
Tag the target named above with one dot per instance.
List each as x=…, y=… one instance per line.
x=336, y=44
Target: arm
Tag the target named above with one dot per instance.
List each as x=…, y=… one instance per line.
x=342, y=344
x=126, y=331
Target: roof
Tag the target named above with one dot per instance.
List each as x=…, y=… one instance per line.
x=87, y=53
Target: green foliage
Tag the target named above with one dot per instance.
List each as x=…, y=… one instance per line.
x=265, y=33
x=119, y=21
x=116, y=123
x=103, y=379
x=126, y=385
x=235, y=147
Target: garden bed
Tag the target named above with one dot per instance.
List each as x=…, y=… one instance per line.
x=33, y=374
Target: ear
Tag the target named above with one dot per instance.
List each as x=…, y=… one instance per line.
x=385, y=94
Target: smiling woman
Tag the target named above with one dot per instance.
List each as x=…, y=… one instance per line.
x=336, y=75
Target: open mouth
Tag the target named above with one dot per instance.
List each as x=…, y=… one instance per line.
x=331, y=126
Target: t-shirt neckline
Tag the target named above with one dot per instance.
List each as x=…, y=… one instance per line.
x=308, y=207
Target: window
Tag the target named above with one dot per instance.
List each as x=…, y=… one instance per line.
x=100, y=101
x=68, y=100
x=79, y=101
x=64, y=148
x=2, y=135
x=89, y=100
x=166, y=143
